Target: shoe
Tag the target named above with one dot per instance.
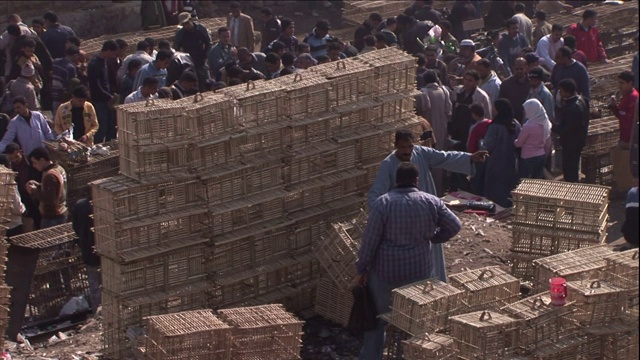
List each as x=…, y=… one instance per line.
x=314, y=13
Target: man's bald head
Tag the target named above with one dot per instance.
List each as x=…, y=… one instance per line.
x=520, y=68
x=14, y=19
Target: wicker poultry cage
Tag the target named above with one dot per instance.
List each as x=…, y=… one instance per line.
x=209, y=115
x=394, y=70
x=197, y=335
x=350, y=80
x=603, y=134
x=603, y=77
x=257, y=103
x=333, y=303
x=596, y=302
x=484, y=334
x=394, y=107
x=145, y=162
x=316, y=161
x=294, y=298
x=259, y=140
x=598, y=169
x=522, y=265
x=425, y=306
x=572, y=346
x=266, y=332
x=542, y=322
x=315, y=192
x=615, y=340
x=486, y=288
x=98, y=167
x=161, y=272
x=204, y=157
x=306, y=94
x=247, y=211
x=561, y=205
x=351, y=116
x=393, y=349
x=621, y=270
x=429, y=347
x=68, y=153
x=309, y=130
x=573, y=265
x=337, y=252
x=152, y=122
x=543, y=241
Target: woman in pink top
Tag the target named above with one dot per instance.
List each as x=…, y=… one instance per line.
x=534, y=140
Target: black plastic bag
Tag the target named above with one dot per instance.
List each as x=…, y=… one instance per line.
x=363, y=312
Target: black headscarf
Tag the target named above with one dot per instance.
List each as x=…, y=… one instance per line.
x=504, y=115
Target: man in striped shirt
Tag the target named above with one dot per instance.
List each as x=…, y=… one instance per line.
x=396, y=245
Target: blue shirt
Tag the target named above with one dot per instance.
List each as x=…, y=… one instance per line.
x=150, y=70
x=402, y=224
x=55, y=38
x=30, y=135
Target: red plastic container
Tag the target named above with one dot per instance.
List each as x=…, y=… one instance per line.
x=558, y=291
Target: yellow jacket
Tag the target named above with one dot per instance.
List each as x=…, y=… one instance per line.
x=63, y=120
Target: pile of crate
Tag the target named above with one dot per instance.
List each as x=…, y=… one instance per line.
x=596, y=163
x=7, y=188
x=222, y=195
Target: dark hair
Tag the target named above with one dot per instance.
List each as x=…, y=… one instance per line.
x=334, y=46
x=50, y=16
x=445, y=24
x=510, y=22
x=72, y=50
x=266, y=11
x=473, y=73
x=477, y=109
x=39, y=153
x=234, y=5
x=38, y=21
x=272, y=58
x=430, y=77
x=222, y=30
x=217, y=85
x=121, y=44
x=19, y=100
x=626, y=76
x=301, y=46
x=285, y=23
x=565, y=51
x=28, y=43
x=164, y=44
x=150, y=81
x=4, y=160
x=74, y=40
x=13, y=30
x=403, y=19
x=421, y=59
x=484, y=63
x=380, y=37
x=519, y=8
x=504, y=114
x=570, y=41
x=322, y=58
x=323, y=25
x=188, y=76
x=404, y=134
x=375, y=17
x=151, y=41
x=164, y=55
x=541, y=15
x=288, y=59
x=235, y=81
x=133, y=64
x=369, y=40
x=109, y=45
x=568, y=85
x=391, y=20
x=406, y=173
x=142, y=46
x=278, y=45
x=11, y=148
x=588, y=14
x=80, y=92
x=557, y=27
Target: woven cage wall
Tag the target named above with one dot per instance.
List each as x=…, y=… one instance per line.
x=603, y=134
x=329, y=188
x=306, y=93
x=337, y=252
x=573, y=265
x=316, y=161
x=209, y=115
x=146, y=161
x=161, y=272
x=572, y=346
x=598, y=169
x=333, y=303
x=618, y=339
x=541, y=321
x=350, y=81
x=393, y=349
x=425, y=306
x=197, y=334
x=294, y=298
x=621, y=270
x=264, y=139
x=522, y=265
x=263, y=332
x=258, y=103
x=562, y=205
x=429, y=347
x=543, y=241
x=152, y=122
x=483, y=334
x=392, y=69
x=596, y=302
x=486, y=288
x=248, y=211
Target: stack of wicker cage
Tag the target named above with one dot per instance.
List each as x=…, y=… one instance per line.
x=98, y=166
x=597, y=166
x=223, y=195
x=429, y=347
x=552, y=217
x=7, y=188
x=487, y=288
x=621, y=270
x=484, y=334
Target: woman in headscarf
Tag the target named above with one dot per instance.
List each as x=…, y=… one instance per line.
x=501, y=176
x=534, y=140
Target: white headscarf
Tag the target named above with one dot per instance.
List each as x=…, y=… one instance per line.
x=534, y=112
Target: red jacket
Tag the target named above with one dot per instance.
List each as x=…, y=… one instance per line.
x=477, y=133
x=588, y=40
x=625, y=113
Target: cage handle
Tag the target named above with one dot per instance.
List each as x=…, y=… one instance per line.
x=344, y=65
x=635, y=255
x=595, y=284
x=485, y=316
x=428, y=286
x=485, y=272
x=538, y=303
x=253, y=85
x=149, y=102
x=196, y=99
x=297, y=77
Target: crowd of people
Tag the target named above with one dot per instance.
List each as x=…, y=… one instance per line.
x=495, y=112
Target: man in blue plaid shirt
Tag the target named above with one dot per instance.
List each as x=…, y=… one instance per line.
x=396, y=245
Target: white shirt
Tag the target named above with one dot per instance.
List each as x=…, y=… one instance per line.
x=546, y=51
x=233, y=28
x=137, y=96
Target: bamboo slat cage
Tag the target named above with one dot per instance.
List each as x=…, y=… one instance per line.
x=621, y=270
x=350, y=80
x=209, y=115
x=598, y=169
x=429, y=347
x=615, y=340
x=152, y=122
x=484, y=334
x=333, y=303
x=309, y=130
x=392, y=69
x=596, y=302
x=486, y=288
x=306, y=94
x=603, y=134
x=337, y=253
x=543, y=241
x=257, y=102
x=316, y=161
x=294, y=298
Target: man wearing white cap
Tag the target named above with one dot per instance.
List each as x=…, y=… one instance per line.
x=22, y=86
x=193, y=38
x=467, y=61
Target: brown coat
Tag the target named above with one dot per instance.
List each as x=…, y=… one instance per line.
x=244, y=37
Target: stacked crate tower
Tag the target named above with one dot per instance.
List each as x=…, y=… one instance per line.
x=7, y=189
x=222, y=195
x=553, y=217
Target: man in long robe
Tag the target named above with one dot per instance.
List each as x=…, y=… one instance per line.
x=424, y=158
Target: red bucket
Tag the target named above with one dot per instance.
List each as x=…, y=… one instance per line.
x=558, y=291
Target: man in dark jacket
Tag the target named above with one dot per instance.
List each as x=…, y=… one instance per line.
x=367, y=28
x=82, y=223
x=571, y=124
x=271, y=26
x=102, y=97
x=516, y=88
x=56, y=35
x=193, y=38
x=412, y=33
x=426, y=12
